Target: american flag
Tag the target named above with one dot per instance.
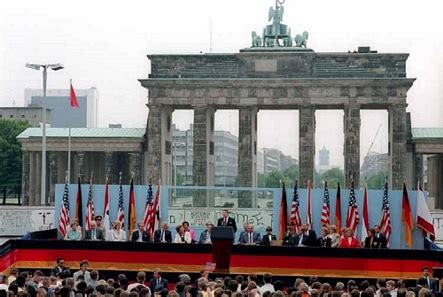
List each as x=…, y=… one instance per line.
x=151, y=209
x=295, y=214
x=326, y=211
x=309, y=212
x=121, y=208
x=385, y=224
x=106, y=222
x=64, y=212
x=89, y=208
x=352, y=217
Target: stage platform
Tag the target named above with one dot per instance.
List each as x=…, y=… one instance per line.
x=191, y=258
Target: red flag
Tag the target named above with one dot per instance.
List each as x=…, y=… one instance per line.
x=338, y=208
x=79, y=204
x=365, y=226
x=406, y=217
x=73, y=97
x=424, y=218
x=309, y=212
x=283, y=213
x=131, y=215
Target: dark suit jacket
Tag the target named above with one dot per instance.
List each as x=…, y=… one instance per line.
x=231, y=223
x=99, y=234
x=265, y=239
x=153, y=284
x=136, y=234
x=244, y=237
x=158, y=234
x=296, y=239
x=381, y=238
x=372, y=243
x=324, y=242
x=312, y=239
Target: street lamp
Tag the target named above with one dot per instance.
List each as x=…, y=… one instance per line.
x=45, y=67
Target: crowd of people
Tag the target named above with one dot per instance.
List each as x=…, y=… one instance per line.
x=61, y=282
x=330, y=236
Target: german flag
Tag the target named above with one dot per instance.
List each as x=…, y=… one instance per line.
x=283, y=213
x=132, y=215
x=406, y=217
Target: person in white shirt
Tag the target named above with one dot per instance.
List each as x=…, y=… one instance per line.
x=391, y=286
x=83, y=271
x=182, y=236
x=117, y=234
x=141, y=277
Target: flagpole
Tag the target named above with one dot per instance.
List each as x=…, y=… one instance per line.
x=69, y=142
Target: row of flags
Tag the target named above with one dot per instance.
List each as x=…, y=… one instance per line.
x=423, y=215
x=151, y=211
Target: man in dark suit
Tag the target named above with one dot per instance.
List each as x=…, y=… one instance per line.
x=299, y=237
x=227, y=221
x=380, y=237
x=268, y=237
x=157, y=281
x=311, y=236
x=431, y=283
x=140, y=235
x=163, y=234
x=94, y=233
x=60, y=268
x=250, y=236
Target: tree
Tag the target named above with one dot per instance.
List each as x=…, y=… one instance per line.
x=377, y=180
x=333, y=176
x=11, y=156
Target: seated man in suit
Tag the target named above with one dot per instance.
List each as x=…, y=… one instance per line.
x=268, y=237
x=157, y=281
x=380, y=237
x=163, y=234
x=250, y=236
x=140, y=235
x=94, y=233
x=225, y=220
x=300, y=237
x=205, y=236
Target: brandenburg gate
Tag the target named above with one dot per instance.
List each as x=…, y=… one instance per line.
x=273, y=74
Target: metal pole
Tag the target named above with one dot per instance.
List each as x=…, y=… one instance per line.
x=69, y=154
x=43, y=197
x=174, y=147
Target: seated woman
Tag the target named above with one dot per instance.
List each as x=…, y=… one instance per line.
x=116, y=234
x=324, y=240
x=185, y=225
x=348, y=240
x=334, y=236
x=371, y=242
x=74, y=232
x=182, y=236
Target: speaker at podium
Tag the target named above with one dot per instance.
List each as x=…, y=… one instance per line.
x=222, y=239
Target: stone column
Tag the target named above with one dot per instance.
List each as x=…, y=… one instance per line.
x=247, y=147
x=351, y=150
x=38, y=178
x=32, y=178
x=418, y=170
x=203, y=162
x=109, y=167
x=306, y=144
x=435, y=181
x=81, y=165
x=159, y=143
x=134, y=166
x=247, y=154
x=397, y=146
x=25, y=178
x=52, y=176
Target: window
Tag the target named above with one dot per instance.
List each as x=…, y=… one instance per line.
x=23, y=116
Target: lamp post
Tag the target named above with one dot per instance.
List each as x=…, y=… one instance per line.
x=45, y=67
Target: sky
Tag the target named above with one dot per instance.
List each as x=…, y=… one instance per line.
x=104, y=44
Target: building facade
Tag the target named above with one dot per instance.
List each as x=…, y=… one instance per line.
x=32, y=115
x=62, y=114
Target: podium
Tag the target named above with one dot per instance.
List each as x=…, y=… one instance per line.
x=222, y=238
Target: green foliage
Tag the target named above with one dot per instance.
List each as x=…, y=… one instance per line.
x=272, y=180
x=11, y=154
x=377, y=180
x=333, y=176
x=180, y=178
